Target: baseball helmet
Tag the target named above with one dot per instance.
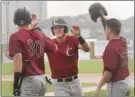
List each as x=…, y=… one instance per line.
x=59, y=22
x=22, y=17
x=95, y=11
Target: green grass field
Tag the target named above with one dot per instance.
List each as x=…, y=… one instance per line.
x=7, y=89
x=86, y=66
x=103, y=93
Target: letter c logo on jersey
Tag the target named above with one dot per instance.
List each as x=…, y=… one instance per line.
x=69, y=51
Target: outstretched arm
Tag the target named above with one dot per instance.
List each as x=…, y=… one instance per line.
x=15, y=51
x=83, y=45
x=103, y=20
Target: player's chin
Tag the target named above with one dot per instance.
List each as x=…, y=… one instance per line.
x=59, y=35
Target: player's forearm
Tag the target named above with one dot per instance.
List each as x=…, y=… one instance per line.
x=85, y=47
x=17, y=72
x=101, y=83
x=106, y=78
x=18, y=62
x=36, y=28
x=51, y=46
x=83, y=44
x=104, y=23
x=103, y=20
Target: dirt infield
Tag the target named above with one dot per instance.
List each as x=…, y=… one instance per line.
x=85, y=78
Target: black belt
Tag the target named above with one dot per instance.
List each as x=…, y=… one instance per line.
x=123, y=79
x=118, y=80
x=67, y=79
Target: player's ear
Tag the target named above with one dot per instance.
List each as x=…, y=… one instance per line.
x=110, y=30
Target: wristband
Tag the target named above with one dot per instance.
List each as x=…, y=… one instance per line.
x=38, y=28
x=81, y=40
x=17, y=76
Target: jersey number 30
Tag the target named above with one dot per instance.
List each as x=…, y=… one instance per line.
x=35, y=48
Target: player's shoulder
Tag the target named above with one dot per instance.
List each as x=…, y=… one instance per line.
x=19, y=32
x=39, y=33
x=117, y=41
x=13, y=36
x=71, y=37
x=109, y=50
x=123, y=39
x=110, y=46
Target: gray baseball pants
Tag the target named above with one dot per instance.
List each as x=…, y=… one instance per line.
x=72, y=88
x=35, y=85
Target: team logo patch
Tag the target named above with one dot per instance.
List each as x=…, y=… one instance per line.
x=69, y=51
x=55, y=22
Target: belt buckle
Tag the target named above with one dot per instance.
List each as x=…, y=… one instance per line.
x=72, y=78
x=59, y=80
x=68, y=79
x=75, y=77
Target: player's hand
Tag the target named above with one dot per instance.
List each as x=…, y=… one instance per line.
x=75, y=30
x=7, y=54
x=48, y=80
x=34, y=21
x=16, y=92
x=102, y=15
x=97, y=93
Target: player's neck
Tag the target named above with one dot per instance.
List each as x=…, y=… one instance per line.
x=24, y=27
x=114, y=37
x=61, y=39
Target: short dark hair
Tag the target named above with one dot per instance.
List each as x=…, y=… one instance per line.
x=114, y=25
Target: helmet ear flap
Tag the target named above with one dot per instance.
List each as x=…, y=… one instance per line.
x=66, y=29
x=52, y=31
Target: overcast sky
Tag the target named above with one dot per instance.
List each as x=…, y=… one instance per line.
x=117, y=9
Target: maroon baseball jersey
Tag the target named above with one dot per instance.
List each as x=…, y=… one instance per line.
x=115, y=57
x=64, y=63
x=32, y=44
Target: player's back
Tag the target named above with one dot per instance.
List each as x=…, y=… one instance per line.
x=119, y=46
x=33, y=43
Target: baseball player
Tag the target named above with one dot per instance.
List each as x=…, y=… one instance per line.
x=64, y=63
x=27, y=47
x=115, y=57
